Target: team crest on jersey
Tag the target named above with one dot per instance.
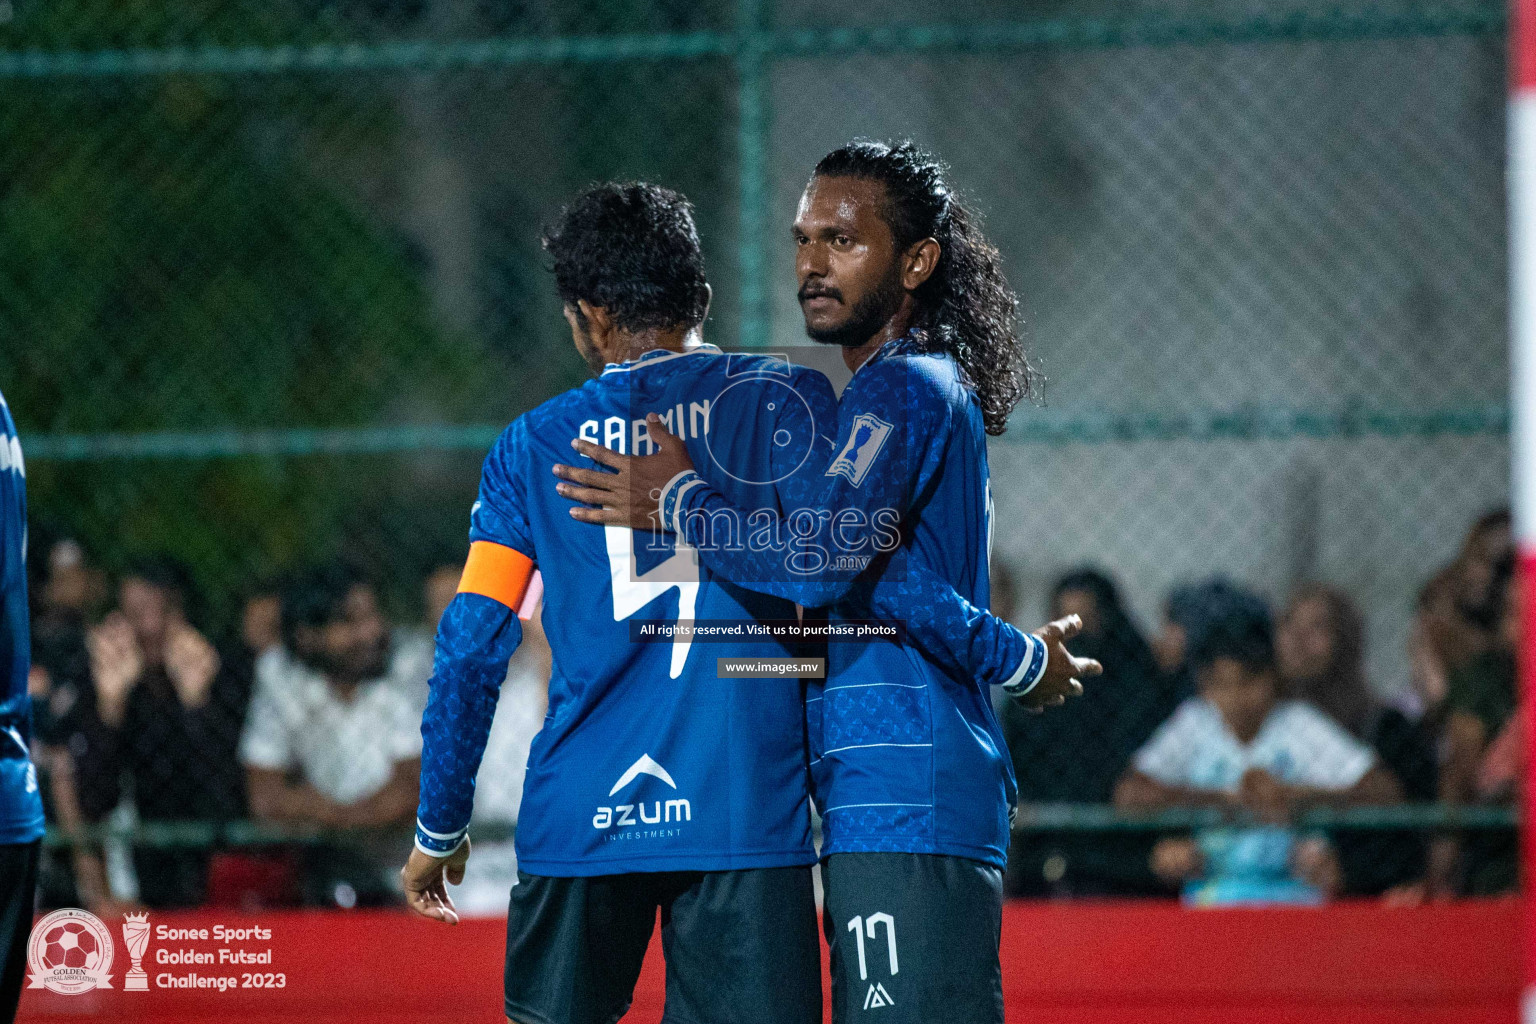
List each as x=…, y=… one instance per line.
x=864, y=443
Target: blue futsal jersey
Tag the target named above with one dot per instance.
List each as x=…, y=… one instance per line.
x=21, y=806
x=647, y=761
x=907, y=755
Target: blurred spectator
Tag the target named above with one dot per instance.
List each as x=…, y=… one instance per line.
x=1074, y=753
x=437, y=593
x=1481, y=696
x=1184, y=614
x=68, y=590
x=261, y=621
x=333, y=737
x=1488, y=545
x=1320, y=652
x=1456, y=618
x=492, y=869
x=161, y=730
x=1480, y=704
x=261, y=632
x=414, y=645
x=1437, y=640
x=1239, y=746
x=62, y=592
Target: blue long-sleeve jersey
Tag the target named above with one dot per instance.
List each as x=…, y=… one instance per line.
x=648, y=761
x=907, y=754
x=21, y=806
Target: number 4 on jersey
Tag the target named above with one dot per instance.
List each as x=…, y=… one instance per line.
x=632, y=591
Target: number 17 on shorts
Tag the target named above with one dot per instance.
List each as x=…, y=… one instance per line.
x=878, y=995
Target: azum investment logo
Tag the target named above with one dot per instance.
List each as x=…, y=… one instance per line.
x=655, y=812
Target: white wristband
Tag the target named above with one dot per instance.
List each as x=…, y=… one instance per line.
x=666, y=493
x=678, y=507
x=439, y=844
x=1031, y=668
x=437, y=855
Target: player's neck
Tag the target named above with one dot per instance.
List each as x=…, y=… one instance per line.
x=895, y=327
x=634, y=344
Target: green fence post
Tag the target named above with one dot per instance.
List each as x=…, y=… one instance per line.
x=752, y=152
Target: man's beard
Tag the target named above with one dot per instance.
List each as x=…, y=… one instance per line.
x=866, y=318
x=354, y=667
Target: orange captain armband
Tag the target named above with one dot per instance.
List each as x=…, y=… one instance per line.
x=502, y=574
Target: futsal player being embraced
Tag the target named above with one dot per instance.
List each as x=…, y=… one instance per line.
x=910, y=770
x=653, y=783
x=21, y=806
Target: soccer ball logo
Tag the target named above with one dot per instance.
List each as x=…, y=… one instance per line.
x=70, y=952
x=71, y=944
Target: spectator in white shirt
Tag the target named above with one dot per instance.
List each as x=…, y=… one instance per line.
x=1238, y=747
x=333, y=737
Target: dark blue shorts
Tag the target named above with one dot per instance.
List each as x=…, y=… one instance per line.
x=914, y=938
x=741, y=946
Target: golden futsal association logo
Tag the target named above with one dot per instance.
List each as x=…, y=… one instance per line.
x=70, y=952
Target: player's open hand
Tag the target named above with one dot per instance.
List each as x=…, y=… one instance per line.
x=1063, y=672
x=423, y=878
x=626, y=496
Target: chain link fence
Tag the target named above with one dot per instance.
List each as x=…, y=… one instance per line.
x=273, y=286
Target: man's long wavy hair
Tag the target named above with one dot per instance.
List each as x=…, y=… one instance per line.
x=966, y=308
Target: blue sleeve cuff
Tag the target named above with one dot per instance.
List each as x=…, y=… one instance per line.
x=1031, y=668
x=671, y=504
x=439, y=844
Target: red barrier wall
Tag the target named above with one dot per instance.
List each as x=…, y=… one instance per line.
x=1063, y=964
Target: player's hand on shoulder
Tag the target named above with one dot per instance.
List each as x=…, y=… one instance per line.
x=1064, y=672
x=627, y=495
x=424, y=878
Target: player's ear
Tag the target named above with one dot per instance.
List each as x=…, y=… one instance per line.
x=919, y=263
x=577, y=321
x=709, y=297
x=598, y=323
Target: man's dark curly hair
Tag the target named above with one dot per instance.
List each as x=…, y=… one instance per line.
x=967, y=307
x=318, y=597
x=631, y=248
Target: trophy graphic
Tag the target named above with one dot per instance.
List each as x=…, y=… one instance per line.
x=136, y=937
